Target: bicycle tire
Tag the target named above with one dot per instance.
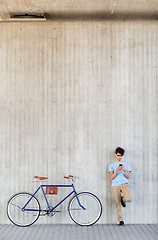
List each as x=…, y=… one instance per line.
x=17, y=215
x=92, y=212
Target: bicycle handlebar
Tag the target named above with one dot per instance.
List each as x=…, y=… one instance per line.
x=69, y=177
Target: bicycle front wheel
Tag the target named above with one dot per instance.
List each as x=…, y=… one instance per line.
x=23, y=209
x=90, y=210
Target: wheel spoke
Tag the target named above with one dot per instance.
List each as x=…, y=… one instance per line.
x=15, y=205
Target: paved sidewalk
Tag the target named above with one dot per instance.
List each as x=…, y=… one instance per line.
x=68, y=232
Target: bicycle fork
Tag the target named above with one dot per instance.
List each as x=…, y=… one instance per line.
x=78, y=198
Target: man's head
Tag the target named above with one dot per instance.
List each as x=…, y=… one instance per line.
x=119, y=152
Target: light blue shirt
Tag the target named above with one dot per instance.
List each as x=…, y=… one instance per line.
x=120, y=176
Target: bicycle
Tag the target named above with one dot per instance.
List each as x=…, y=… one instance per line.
x=23, y=209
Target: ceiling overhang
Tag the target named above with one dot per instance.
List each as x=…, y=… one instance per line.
x=78, y=10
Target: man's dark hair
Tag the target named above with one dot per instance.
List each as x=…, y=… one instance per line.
x=120, y=150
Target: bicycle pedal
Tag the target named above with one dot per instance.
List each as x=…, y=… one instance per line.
x=43, y=213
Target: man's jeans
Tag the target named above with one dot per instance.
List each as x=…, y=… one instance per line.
x=124, y=189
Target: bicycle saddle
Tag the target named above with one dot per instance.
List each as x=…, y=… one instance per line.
x=41, y=178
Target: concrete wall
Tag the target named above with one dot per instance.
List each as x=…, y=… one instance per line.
x=70, y=93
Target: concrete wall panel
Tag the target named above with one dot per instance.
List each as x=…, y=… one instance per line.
x=70, y=93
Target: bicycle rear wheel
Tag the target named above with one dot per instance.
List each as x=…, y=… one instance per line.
x=19, y=215
x=91, y=213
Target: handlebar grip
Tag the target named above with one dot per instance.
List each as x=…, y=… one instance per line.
x=70, y=176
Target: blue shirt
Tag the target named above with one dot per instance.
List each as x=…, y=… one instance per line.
x=120, y=176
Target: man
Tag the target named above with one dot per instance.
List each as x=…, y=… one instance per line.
x=120, y=173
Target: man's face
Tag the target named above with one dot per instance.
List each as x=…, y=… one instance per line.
x=118, y=157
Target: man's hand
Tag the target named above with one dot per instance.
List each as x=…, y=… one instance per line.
x=119, y=168
x=123, y=168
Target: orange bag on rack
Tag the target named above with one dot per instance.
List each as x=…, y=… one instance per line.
x=51, y=190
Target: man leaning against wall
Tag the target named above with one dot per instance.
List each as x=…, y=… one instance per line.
x=120, y=174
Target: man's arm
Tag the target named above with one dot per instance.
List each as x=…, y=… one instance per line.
x=113, y=174
x=127, y=174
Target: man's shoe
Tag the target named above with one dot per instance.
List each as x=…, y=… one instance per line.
x=121, y=223
x=122, y=202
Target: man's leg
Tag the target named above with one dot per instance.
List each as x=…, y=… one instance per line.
x=126, y=193
x=117, y=197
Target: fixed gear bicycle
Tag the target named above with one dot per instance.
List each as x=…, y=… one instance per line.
x=24, y=209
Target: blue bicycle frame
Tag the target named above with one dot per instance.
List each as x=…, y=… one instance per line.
x=51, y=209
